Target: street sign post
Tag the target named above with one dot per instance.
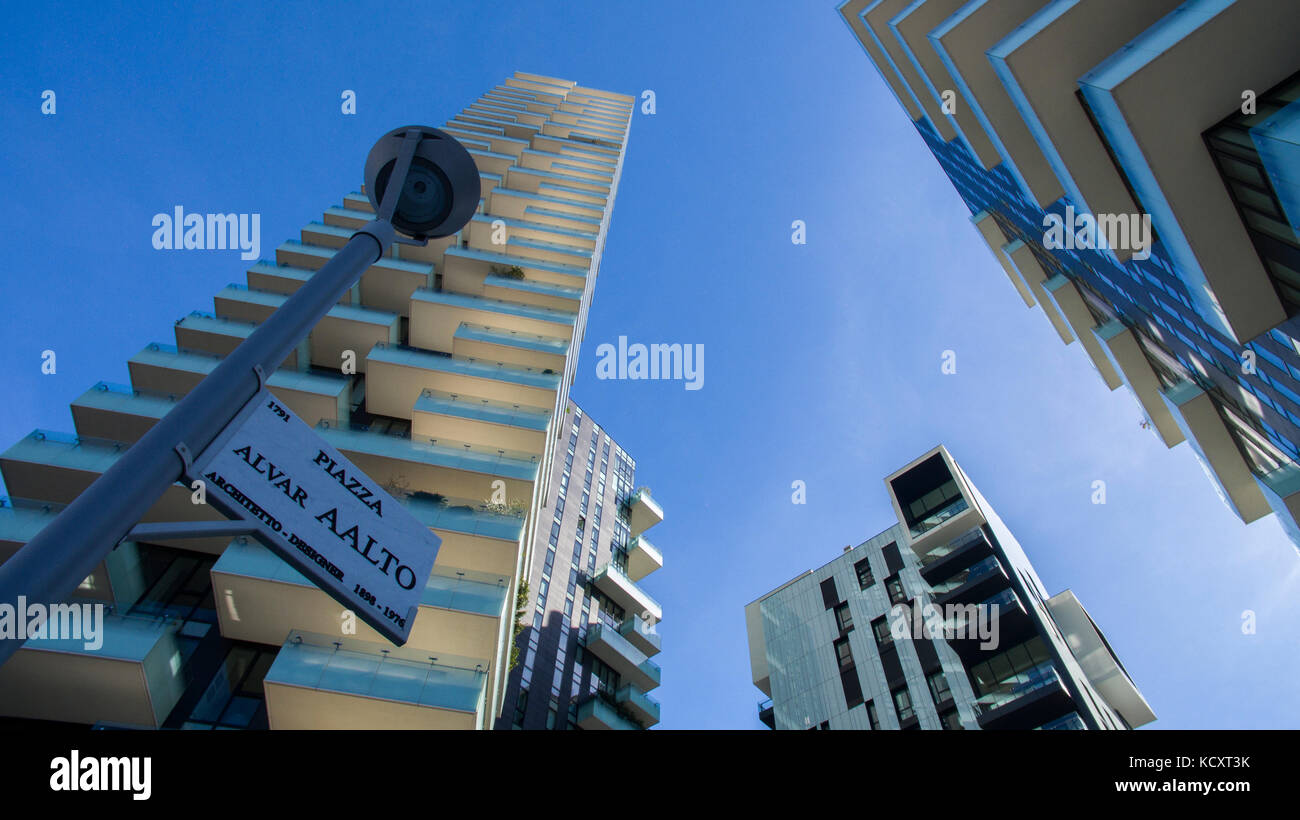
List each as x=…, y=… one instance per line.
x=318, y=511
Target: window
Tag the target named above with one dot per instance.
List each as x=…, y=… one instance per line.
x=939, y=687
x=844, y=654
x=903, y=705
x=872, y=717
x=863, y=569
x=843, y=618
x=897, y=595
x=880, y=627
x=950, y=719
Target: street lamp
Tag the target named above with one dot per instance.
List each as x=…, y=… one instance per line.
x=422, y=182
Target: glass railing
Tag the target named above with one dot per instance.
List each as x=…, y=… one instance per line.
x=951, y=547
x=634, y=624
x=433, y=445
x=976, y=570
x=501, y=412
x=1017, y=686
x=361, y=668
x=936, y=518
x=1070, y=722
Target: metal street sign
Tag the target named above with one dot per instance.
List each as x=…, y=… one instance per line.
x=318, y=511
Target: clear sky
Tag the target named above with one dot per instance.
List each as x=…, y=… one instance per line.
x=822, y=361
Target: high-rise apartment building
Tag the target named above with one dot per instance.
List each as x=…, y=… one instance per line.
x=1133, y=166
x=444, y=375
x=939, y=622
x=589, y=629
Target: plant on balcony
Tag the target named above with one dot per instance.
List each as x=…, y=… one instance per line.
x=521, y=607
x=512, y=272
x=515, y=509
x=436, y=498
x=398, y=487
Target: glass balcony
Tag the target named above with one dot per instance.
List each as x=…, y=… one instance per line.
x=641, y=706
x=624, y=592
x=1070, y=722
x=952, y=546
x=641, y=634
x=1014, y=687
x=456, y=455
x=643, y=511
x=116, y=667
x=620, y=655
x=442, y=402
x=319, y=682
x=597, y=714
x=971, y=573
x=261, y=598
x=643, y=558
x=938, y=517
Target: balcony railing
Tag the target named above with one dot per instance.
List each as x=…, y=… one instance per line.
x=989, y=564
x=1017, y=686
x=951, y=547
x=938, y=517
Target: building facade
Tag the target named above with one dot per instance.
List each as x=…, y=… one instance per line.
x=444, y=375
x=1133, y=167
x=939, y=622
x=589, y=630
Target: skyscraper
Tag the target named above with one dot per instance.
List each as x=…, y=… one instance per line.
x=587, y=665
x=444, y=375
x=939, y=622
x=1133, y=168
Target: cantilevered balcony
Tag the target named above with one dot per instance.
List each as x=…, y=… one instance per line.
x=385, y=285
x=1098, y=660
x=620, y=655
x=597, y=714
x=480, y=421
x=549, y=210
x=454, y=468
x=116, y=412
x=209, y=334
x=1152, y=102
x=1024, y=700
x=398, y=375
x=643, y=511
x=261, y=598
x=624, y=592
x=1124, y=349
x=435, y=316
x=1212, y=441
x=643, y=708
x=320, y=682
x=343, y=328
x=532, y=292
x=134, y=676
x=641, y=634
x=465, y=270
x=163, y=369
x=964, y=550
x=1070, y=304
x=510, y=347
x=972, y=584
x=1031, y=270
x=962, y=42
x=643, y=558
x=57, y=467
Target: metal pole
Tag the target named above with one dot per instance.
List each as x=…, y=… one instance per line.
x=48, y=568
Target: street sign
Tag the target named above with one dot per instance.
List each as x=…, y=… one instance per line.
x=318, y=511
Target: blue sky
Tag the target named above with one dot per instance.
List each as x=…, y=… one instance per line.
x=822, y=360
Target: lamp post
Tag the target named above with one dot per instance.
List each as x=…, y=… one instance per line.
x=421, y=182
